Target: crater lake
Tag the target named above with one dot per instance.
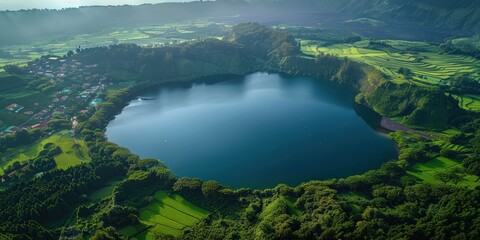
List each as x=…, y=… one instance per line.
x=255, y=131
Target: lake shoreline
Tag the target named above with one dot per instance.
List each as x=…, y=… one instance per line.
x=265, y=120
x=393, y=126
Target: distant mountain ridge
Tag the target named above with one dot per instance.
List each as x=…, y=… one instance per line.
x=443, y=15
x=448, y=14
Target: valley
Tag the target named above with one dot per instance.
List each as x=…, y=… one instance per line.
x=210, y=128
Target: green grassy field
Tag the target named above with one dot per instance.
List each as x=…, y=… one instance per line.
x=70, y=155
x=168, y=214
x=8, y=82
x=19, y=154
x=13, y=95
x=12, y=90
x=103, y=192
x=425, y=172
x=140, y=35
x=354, y=200
x=292, y=209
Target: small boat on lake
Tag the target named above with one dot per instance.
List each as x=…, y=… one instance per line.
x=146, y=98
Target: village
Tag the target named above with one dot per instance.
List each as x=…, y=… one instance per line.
x=71, y=88
x=64, y=89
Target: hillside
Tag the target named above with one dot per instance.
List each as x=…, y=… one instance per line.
x=407, y=19
x=430, y=192
x=446, y=14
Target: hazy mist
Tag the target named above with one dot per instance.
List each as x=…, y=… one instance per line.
x=58, y=4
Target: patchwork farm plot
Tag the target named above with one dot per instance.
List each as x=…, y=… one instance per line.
x=140, y=35
x=430, y=66
x=74, y=152
x=168, y=214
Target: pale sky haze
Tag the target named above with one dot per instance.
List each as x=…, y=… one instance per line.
x=57, y=4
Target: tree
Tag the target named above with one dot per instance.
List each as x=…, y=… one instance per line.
x=476, y=142
x=442, y=176
x=108, y=233
x=405, y=72
x=14, y=69
x=463, y=83
x=472, y=164
x=118, y=216
x=454, y=175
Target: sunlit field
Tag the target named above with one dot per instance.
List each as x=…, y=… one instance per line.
x=149, y=35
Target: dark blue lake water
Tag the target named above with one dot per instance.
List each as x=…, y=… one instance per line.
x=256, y=131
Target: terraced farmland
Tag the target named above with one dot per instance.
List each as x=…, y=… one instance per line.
x=469, y=102
x=168, y=214
x=428, y=63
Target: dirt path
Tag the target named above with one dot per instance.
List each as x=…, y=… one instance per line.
x=391, y=125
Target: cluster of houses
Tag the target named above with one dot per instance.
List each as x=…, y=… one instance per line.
x=80, y=82
x=14, y=107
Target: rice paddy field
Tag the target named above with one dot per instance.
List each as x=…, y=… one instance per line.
x=429, y=64
x=442, y=140
x=140, y=35
x=72, y=154
x=168, y=214
x=469, y=102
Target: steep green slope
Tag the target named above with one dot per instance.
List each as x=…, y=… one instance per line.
x=418, y=107
x=447, y=14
